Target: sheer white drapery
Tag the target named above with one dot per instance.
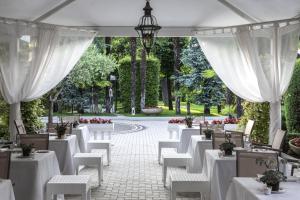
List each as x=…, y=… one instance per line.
x=255, y=63
x=34, y=58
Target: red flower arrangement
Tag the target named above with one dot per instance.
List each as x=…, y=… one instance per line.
x=231, y=121
x=96, y=121
x=216, y=122
x=296, y=142
x=176, y=121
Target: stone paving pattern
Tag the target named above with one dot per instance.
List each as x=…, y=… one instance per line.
x=134, y=172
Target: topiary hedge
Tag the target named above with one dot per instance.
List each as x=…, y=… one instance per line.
x=292, y=102
x=259, y=112
x=31, y=115
x=152, y=83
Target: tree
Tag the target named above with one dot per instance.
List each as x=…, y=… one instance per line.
x=133, y=70
x=292, y=102
x=176, y=49
x=208, y=88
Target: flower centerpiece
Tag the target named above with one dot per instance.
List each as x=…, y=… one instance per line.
x=75, y=124
x=100, y=121
x=83, y=121
x=189, y=121
x=208, y=133
x=232, y=120
x=61, y=130
x=227, y=146
x=26, y=149
x=272, y=178
x=294, y=145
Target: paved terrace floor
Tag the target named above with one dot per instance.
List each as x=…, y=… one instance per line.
x=134, y=172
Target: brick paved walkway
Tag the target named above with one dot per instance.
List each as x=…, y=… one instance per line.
x=134, y=172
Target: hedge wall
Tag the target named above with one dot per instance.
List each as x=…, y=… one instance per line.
x=292, y=102
x=259, y=112
x=152, y=83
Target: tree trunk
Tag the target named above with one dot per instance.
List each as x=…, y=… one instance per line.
x=133, y=70
x=188, y=107
x=107, y=98
x=143, y=78
x=164, y=91
x=170, y=100
x=96, y=100
x=206, y=110
x=239, y=107
x=176, y=49
x=229, y=97
x=219, y=107
x=51, y=100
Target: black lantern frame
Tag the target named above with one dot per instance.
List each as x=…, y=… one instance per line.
x=147, y=28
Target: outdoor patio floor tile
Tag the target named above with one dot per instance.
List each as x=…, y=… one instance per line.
x=134, y=172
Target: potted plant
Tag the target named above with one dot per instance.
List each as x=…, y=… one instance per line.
x=294, y=145
x=272, y=178
x=75, y=124
x=208, y=133
x=26, y=149
x=189, y=121
x=61, y=130
x=227, y=146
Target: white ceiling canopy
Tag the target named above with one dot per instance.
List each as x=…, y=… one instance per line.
x=177, y=17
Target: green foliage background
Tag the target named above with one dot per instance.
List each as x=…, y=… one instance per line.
x=259, y=112
x=292, y=102
x=4, y=110
x=152, y=83
x=31, y=113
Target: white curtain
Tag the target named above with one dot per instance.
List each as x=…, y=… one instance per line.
x=255, y=63
x=34, y=58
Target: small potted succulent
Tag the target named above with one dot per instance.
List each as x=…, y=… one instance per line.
x=208, y=133
x=189, y=121
x=61, y=130
x=26, y=149
x=227, y=146
x=272, y=178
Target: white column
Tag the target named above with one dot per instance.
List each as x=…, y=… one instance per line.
x=14, y=113
x=275, y=119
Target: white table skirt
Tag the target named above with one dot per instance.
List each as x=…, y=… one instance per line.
x=83, y=136
x=250, y=189
x=198, y=145
x=185, y=137
x=101, y=129
x=173, y=129
x=65, y=149
x=30, y=176
x=6, y=190
x=220, y=171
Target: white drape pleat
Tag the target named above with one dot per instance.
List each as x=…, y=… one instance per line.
x=34, y=59
x=256, y=65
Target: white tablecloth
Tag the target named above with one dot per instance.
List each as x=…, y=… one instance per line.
x=6, y=190
x=198, y=145
x=185, y=137
x=65, y=149
x=250, y=189
x=220, y=171
x=83, y=136
x=31, y=175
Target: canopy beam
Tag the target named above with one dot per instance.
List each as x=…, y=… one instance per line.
x=238, y=11
x=53, y=10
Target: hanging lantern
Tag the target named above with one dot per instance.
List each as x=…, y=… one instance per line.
x=147, y=28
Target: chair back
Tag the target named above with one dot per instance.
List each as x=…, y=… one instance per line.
x=4, y=164
x=249, y=164
x=20, y=126
x=237, y=138
x=278, y=139
x=39, y=141
x=249, y=128
x=217, y=140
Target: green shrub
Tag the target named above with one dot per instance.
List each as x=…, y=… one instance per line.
x=152, y=83
x=4, y=110
x=31, y=113
x=292, y=102
x=259, y=112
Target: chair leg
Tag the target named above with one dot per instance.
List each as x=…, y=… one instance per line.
x=159, y=153
x=164, y=172
x=108, y=155
x=99, y=175
x=173, y=194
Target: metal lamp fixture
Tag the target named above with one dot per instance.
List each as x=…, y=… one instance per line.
x=147, y=28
